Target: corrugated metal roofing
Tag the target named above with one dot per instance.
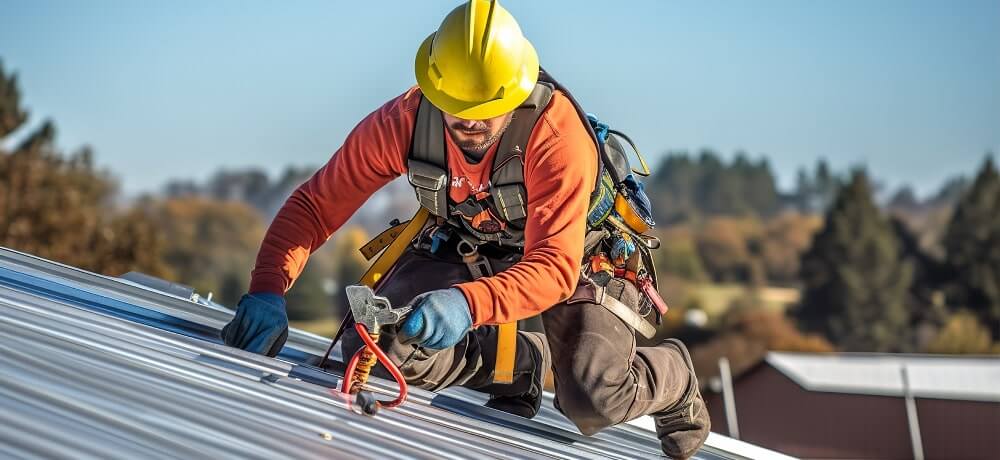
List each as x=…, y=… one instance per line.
x=99, y=367
x=940, y=377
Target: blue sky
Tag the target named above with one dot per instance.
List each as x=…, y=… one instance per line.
x=178, y=89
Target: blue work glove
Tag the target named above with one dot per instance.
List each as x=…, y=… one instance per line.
x=260, y=325
x=439, y=320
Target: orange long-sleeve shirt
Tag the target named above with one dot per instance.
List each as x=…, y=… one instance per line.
x=560, y=164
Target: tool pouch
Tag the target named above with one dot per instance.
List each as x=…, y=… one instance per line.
x=620, y=297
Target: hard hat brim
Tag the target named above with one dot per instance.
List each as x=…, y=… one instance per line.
x=513, y=96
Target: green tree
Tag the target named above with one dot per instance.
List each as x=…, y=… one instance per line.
x=813, y=194
x=683, y=187
x=61, y=207
x=310, y=297
x=855, y=283
x=319, y=292
x=678, y=255
x=972, y=245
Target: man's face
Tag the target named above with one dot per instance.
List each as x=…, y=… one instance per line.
x=476, y=136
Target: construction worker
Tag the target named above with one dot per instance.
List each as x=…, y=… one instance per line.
x=496, y=253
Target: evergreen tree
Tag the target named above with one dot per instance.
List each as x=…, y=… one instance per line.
x=684, y=188
x=972, y=244
x=12, y=115
x=855, y=283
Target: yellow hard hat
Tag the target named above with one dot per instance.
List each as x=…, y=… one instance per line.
x=478, y=64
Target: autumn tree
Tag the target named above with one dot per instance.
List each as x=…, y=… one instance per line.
x=61, y=207
x=319, y=292
x=972, y=245
x=855, y=283
x=746, y=336
x=728, y=248
x=678, y=254
x=210, y=245
x=782, y=243
x=963, y=334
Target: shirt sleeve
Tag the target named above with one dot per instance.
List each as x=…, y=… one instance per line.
x=560, y=170
x=372, y=155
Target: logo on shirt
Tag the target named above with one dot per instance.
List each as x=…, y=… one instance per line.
x=464, y=181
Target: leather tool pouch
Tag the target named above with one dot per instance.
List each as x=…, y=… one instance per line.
x=620, y=297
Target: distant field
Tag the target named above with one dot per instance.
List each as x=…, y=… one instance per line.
x=716, y=299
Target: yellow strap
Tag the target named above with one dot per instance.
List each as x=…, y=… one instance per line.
x=507, y=334
x=503, y=371
x=383, y=240
x=395, y=249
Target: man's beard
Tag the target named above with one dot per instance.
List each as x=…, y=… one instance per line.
x=478, y=149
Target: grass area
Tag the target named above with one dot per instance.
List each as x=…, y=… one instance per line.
x=325, y=327
x=779, y=298
x=716, y=299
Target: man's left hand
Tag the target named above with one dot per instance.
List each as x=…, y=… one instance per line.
x=439, y=320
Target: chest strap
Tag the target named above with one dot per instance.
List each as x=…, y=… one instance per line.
x=427, y=162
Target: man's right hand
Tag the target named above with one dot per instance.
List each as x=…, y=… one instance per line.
x=260, y=325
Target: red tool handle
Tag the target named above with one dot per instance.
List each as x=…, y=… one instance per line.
x=646, y=284
x=382, y=358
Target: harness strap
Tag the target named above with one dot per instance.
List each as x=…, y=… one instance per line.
x=503, y=370
x=428, y=160
x=479, y=267
x=507, y=178
x=382, y=241
x=591, y=292
x=381, y=266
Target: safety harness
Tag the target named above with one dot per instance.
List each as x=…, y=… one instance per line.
x=495, y=218
x=503, y=210
x=617, y=218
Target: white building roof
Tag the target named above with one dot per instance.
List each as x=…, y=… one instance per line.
x=974, y=378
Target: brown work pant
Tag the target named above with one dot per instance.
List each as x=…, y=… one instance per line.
x=601, y=377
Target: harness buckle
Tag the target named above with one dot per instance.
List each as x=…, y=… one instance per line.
x=465, y=248
x=479, y=266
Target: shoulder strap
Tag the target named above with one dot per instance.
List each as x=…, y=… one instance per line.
x=611, y=162
x=507, y=178
x=427, y=161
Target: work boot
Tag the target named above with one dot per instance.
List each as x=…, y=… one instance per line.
x=683, y=427
x=527, y=404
